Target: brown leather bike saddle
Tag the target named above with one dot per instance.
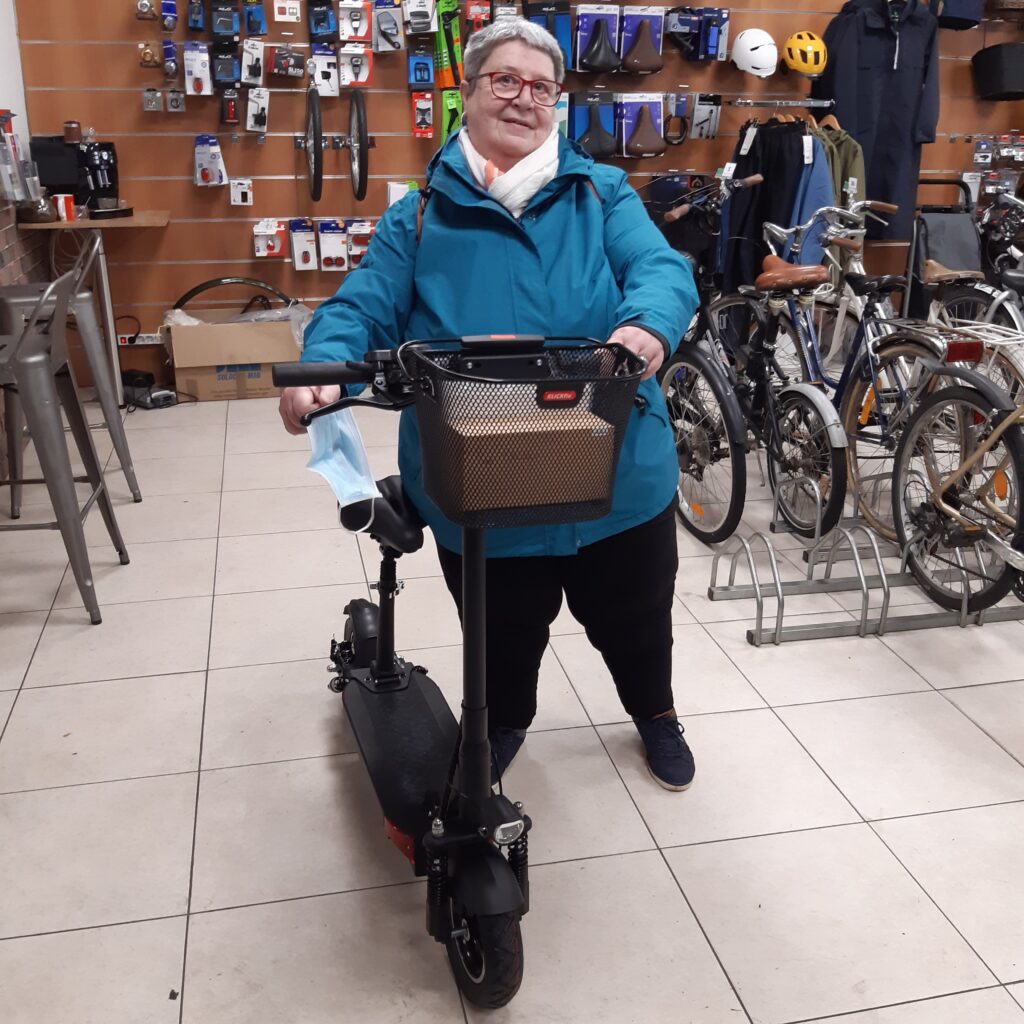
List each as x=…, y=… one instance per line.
x=642, y=58
x=645, y=139
x=779, y=276
x=599, y=55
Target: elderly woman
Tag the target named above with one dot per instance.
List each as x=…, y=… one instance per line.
x=522, y=233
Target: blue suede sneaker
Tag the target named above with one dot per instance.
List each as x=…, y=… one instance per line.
x=669, y=759
x=505, y=744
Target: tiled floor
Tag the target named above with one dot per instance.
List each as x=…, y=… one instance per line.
x=187, y=832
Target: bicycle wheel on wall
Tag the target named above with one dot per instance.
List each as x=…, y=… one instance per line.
x=358, y=144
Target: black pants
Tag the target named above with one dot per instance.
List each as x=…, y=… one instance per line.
x=619, y=590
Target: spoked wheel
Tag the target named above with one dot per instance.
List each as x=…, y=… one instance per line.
x=358, y=144
x=314, y=144
x=875, y=411
x=486, y=954
x=712, y=462
x=811, y=472
x=951, y=559
x=962, y=302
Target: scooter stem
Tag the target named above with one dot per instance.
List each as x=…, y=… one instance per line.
x=385, y=668
x=475, y=753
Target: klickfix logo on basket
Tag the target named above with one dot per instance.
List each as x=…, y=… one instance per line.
x=557, y=397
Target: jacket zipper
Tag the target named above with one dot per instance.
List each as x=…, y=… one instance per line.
x=896, y=56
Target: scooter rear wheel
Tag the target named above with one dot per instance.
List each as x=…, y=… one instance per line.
x=488, y=962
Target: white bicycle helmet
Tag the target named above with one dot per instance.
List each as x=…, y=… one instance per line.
x=754, y=51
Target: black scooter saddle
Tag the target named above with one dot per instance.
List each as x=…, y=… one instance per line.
x=883, y=284
x=1013, y=279
x=395, y=524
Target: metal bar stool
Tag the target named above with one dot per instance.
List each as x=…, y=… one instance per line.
x=34, y=366
x=21, y=300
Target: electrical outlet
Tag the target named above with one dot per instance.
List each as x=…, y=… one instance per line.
x=142, y=339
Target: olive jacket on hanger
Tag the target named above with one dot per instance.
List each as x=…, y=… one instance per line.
x=883, y=73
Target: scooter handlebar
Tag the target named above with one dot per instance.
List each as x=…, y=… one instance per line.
x=311, y=375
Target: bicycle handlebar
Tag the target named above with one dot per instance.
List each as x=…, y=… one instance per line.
x=311, y=375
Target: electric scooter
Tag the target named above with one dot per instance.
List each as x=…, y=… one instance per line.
x=431, y=773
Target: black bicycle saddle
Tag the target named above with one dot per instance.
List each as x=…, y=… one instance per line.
x=1013, y=279
x=396, y=523
x=599, y=55
x=642, y=58
x=596, y=141
x=866, y=284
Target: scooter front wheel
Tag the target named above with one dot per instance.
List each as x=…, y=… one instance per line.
x=486, y=954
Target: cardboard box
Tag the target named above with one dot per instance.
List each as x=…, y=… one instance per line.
x=551, y=457
x=216, y=361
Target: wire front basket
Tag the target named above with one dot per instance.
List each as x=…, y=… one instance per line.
x=515, y=436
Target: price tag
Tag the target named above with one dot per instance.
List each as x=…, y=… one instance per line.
x=748, y=140
x=728, y=171
x=808, y=149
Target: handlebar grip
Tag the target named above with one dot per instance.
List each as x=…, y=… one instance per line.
x=880, y=207
x=678, y=212
x=311, y=375
x=850, y=244
x=751, y=181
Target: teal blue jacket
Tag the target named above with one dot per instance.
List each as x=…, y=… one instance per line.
x=570, y=266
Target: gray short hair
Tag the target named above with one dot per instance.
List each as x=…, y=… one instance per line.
x=506, y=30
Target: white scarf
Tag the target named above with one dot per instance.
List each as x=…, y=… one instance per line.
x=520, y=183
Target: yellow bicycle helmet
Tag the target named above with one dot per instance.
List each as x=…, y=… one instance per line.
x=805, y=53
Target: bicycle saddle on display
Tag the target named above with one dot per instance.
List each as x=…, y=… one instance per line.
x=396, y=523
x=883, y=284
x=643, y=57
x=596, y=141
x=778, y=275
x=1013, y=278
x=599, y=55
x=645, y=140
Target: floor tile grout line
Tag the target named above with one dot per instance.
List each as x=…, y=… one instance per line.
x=92, y=927
x=202, y=731
x=934, y=902
x=889, y=1006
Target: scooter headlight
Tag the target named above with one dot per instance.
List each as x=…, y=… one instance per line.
x=509, y=832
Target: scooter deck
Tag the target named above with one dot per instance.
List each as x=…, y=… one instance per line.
x=406, y=738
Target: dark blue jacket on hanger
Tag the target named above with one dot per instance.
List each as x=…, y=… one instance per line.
x=883, y=73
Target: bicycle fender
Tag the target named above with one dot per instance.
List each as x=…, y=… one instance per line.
x=736, y=425
x=826, y=410
x=992, y=391
x=484, y=884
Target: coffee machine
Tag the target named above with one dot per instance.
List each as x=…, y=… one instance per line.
x=87, y=170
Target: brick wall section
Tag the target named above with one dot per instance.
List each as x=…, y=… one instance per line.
x=22, y=258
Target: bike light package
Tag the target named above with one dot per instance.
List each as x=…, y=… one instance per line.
x=198, y=73
x=388, y=34
x=355, y=65
x=359, y=234
x=323, y=22
x=355, y=21
x=252, y=62
x=241, y=191
x=633, y=25
x=420, y=16
x=333, y=239
x=555, y=18
x=283, y=60
x=640, y=124
x=257, y=110
x=210, y=170
x=591, y=21
x=421, y=62
x=478, y=15
x=448, y=46
x=269, y=237
x=325, y=70
x=255, y=18
x=423, y=115
x=302, y=238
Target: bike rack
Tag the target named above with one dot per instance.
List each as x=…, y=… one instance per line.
x=840, y=544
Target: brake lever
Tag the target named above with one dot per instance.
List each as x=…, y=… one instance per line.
x=874, y=216
x=376, y=401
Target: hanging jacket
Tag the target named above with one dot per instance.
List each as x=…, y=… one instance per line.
x=574, y=264
x=884, y=77
x=849, y=165
x=813, y=192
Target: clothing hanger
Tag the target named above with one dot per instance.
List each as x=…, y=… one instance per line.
x=830, y=121
x=811, y=121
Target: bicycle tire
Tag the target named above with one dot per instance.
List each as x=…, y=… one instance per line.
x=974, y=304
x=737, y=319
x=856, y=411
x=221, y=282
x=697, y=451
x=1013, y=437
x=314, y=144
x=359, y=145
x=827, y=462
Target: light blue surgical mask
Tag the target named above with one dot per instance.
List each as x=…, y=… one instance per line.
x=340, y=458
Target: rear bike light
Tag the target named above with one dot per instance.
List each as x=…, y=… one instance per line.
x=968, y=350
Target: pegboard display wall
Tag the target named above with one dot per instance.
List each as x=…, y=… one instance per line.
x=81, y=62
